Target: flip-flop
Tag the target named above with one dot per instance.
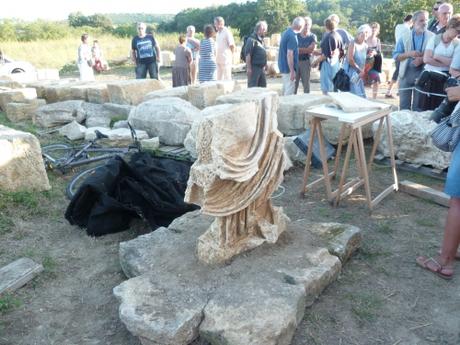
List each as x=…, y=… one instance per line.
x=435, y=267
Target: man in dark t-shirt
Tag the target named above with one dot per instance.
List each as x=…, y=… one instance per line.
x=307, y=44
x=145, y=54
x=256, y=56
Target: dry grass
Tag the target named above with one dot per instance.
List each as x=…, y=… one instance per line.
x=57, y=53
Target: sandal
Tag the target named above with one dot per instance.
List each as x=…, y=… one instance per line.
x=432, y=265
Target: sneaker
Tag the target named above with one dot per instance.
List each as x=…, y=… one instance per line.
x=389, y=96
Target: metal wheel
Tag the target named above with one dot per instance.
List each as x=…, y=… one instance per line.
x=78, y=180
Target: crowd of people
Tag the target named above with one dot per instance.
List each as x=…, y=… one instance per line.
x=426, y=54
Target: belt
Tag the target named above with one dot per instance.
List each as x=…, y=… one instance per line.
x=304, y=57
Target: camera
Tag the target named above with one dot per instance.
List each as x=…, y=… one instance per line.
x=446, y=107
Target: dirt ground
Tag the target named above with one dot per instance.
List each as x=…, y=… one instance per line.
x=381, y=296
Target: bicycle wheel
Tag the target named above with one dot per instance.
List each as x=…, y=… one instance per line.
x=78, y=180
x=56, y=154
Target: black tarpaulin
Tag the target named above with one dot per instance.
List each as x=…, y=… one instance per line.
x=147, y=187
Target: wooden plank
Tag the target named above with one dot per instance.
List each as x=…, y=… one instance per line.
x=17, y=274
x=424, y=192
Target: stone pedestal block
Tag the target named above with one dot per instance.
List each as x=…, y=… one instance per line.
x=21, y=163
x=132, y=91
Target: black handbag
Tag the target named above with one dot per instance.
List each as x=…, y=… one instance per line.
x=446, y=135
x=341, y=81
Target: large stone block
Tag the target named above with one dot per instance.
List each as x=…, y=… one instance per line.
x=205, y=94
x=98, y=93
x=21, y=163
x=23, y=95
x=180, y=92
x=412, y=140
x=292, y=119
x=167, y=58
x=119, y=137
x=58, y=93
x=11, y=84
x=275, y=40
x=47, y=74
x=258, y=298
x=59, y=113
x=170, y=119
x=79, y=92
x=73, y=131
x=132, y=91
x=16, y=112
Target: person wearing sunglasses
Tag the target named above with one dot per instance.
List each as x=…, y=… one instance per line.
x=444, y=13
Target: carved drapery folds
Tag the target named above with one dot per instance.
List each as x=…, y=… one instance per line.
x=240, y=164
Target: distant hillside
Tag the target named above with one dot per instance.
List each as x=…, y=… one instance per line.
x=126, y=18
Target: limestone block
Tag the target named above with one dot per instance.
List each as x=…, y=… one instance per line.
x=170, y=119
x=98, y=93
x=132, y=91
x=120, y=137
x=40, y=87
x=23, y=95
x=120, y=124
x=331, y=130
x=79, y=92
x=180, y=92
x=292, y=118
x=58, y=92
x=272, y=54
x=97, y=115
x=118, y=111
x=275, y=39
x=205, y=94
x=16, y=112
x=21, y=163
x=190, y=139
x=152, y=144
x=73, y=131
x=293, y=151
x=167, y=58
x=236, y=59
x=258, y=298
x=59, y=113
x=160, y=315
x=273, y=69
x=47, y=74
x=267, y=42
x=226, y=315
x=11, y=84
x=388, y=67
x=412, y=140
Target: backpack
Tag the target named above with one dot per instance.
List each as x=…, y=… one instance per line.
x=242, y=55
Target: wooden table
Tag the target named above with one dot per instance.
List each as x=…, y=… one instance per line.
x=355, y=122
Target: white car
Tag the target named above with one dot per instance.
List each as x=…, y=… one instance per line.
x=17, y=69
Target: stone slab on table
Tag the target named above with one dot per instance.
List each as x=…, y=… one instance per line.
x=257, y=298
x=18, y=273
x=21, y=162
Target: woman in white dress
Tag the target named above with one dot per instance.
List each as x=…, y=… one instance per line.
x=84, y=61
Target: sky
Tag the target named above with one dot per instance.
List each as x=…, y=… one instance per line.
x=60, y=9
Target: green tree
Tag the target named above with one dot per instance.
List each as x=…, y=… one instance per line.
x=7, y=31
x=279, y=13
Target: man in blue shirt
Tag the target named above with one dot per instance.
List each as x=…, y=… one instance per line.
x=289, y=55
x=145, y=53
x=409, y=52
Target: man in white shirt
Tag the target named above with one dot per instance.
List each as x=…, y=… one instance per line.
x=225, y=46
